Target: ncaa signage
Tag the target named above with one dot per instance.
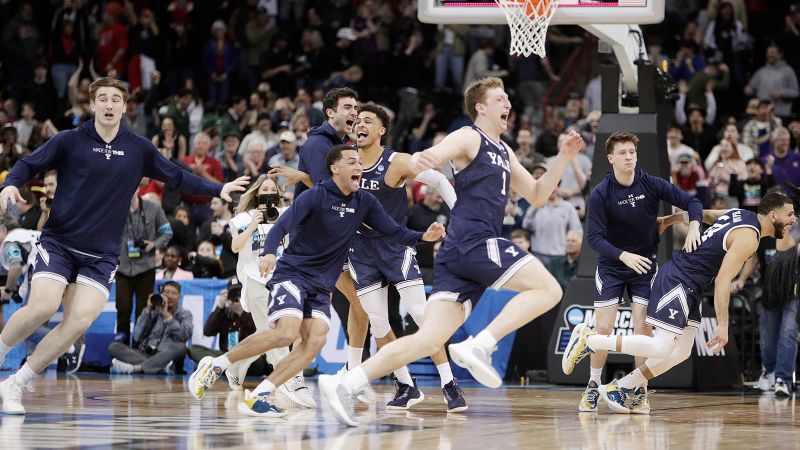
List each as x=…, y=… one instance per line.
x=576, y=313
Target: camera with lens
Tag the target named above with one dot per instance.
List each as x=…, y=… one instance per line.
x=156, y=301
x=268, y=205
x=48, y=202
x=139, y=243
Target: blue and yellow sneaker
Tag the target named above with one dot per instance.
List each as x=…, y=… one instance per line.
x=616, y=397
x=577, y=348
x=454, y=397
x=258, y=405
x=638, y=401
x=203, y=377
x=405, y=395
x=589, y=398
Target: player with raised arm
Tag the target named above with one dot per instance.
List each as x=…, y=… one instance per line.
x=323, y=222
x=376, y=261
x=627, y=258
x=341, y=107
x=674, y=306
x=100, y=165
x=473, y=256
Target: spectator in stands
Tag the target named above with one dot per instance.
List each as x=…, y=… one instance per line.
x=179, y=112
x=46, y=201
x=204, y=263
x=145, y=230
x=690, y=177
x=676, y=147
x=731, y=134
x=728, y=164
x=235, y=118
x=202, y=164
x=573, y=111
x=21, y=39
x=547, y=142
x=40, y=93
x=145, y=49
x=255, y=158
x=548, y=226
x=758, y=131
x=481, y=64
x=171, y=270
x=262, y=131
x=700, y=90
x=277, y=66
x=565, y=268
x=160, y=336
x=11, y=150
x=525, y=153
x=65, y=52
x=759, y=180
x=786, y=166
x=287, y=157
x=169, y=138
x=112, y=43
x=420, y=216
x=533, y=75
x=182, y=236
x=726, y=34
x=451, y=51
x=232, y=160
x=303, y=102
x=219, y=62
x=258, y=33
x=217, y=230
x=522, y=239
x=775, y=81
x=697, y=134
x=574, y=180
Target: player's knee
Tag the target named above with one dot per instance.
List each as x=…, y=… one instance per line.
x=314, y=343
x=43, y=312
x=604, y=328
x=379, y=326
x=643, y=329
x=286, y=337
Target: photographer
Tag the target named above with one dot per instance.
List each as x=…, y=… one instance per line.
x=46, y=201
x=231, y=324
x=204, y=262
x=15, y=250
x=259, y=209
x=217, y=231
x=159, y=337
x=145, y=229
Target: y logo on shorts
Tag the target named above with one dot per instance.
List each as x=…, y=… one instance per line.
x=280, y=299
x=672, y=313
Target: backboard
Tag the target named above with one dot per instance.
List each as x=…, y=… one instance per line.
x=574, y=12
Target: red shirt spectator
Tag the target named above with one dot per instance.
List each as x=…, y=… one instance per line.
x=113, y=39
x=203, y=165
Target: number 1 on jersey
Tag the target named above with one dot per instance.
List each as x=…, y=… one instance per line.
x=503, y=189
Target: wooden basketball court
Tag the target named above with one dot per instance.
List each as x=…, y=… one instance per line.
x=102, y=411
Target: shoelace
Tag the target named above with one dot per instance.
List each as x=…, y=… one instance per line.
x=456, y=391
x=402, y=390
x=16, y=391
x=592, y=395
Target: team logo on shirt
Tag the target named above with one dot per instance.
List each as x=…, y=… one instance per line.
x=631, y=200
x=108, y=151
x=343, y=209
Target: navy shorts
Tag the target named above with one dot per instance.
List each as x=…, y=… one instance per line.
x=68, y=265
x=375, y=262
x=612, y=281
x=464, y=276
x=673, y=305
x=297, y=298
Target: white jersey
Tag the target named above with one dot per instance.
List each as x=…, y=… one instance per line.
x=26, y=241
x=247, y=265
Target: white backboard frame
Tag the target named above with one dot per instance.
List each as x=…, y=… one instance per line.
x=568, y=13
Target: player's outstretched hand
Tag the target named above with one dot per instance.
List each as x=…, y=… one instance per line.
x=640, y=264
x=266, y=264
x=720, y=339
x=424, y=160
x=8, y=196
x=293, y=175
x=238, y=185
x=692, y=237
x=434, y=233
x=572, y=144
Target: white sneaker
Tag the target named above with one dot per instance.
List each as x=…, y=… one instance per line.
x=336, y=396
x=766, y=382
x=118, y=366
x=235, y=379
x=781, y=390
x=296, y=390
x=366, y=396
x=475, y=359
x=11, y=393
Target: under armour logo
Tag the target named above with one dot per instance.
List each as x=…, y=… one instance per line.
x=108, y=146
x=672, y=313
x=280, y=299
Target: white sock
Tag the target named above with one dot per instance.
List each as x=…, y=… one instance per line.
x=354, y=355
x=632, y=380
x=24, y=375
x=4, y=349
x=445, y=373
x=70, y=349
x=485, y=340
x=222, y=362
x=403, y=376
x=355, y=379
x=595, y=375
x=264, y=388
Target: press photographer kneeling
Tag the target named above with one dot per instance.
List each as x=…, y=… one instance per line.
x=159, y=338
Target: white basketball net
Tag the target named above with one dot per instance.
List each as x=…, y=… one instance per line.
x=528, y=32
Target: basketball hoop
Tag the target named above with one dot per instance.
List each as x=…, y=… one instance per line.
x=528, y=20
